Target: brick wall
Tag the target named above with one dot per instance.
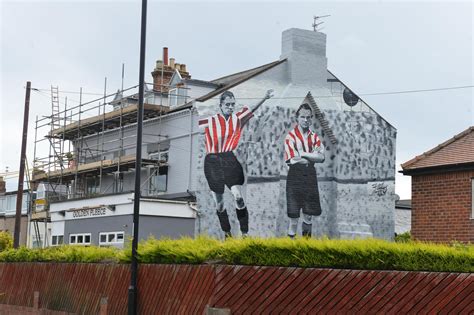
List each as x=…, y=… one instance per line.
x=442, y=206
x=66, y=289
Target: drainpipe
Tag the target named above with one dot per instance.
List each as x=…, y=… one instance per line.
x=190, y=146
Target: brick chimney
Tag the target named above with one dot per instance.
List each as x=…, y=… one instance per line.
x=306, y=54
x=164, y=70
x=2, y=186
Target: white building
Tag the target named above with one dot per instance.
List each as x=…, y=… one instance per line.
x=356, y=181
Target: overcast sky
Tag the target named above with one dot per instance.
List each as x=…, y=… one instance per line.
x=374, y=46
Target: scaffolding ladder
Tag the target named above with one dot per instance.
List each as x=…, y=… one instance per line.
x=56, y=153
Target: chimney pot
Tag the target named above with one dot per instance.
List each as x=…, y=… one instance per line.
x=165, y=56
x=177, y=66
x=159, y=64
x=2, y=186
x=172, y=65
x=183, y=67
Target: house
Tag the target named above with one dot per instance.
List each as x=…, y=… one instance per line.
x=93, y=190
x=8, y=212
x=443, y=190
x=356, y=179
x=402, y=216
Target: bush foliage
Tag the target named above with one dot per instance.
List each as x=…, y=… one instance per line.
x=61, y=254
x=369, y=254
x=403, y=237
x=6, y=241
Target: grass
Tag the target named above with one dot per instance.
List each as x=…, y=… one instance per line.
x=370, y=254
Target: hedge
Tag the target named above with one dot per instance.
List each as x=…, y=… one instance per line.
x=369, y=254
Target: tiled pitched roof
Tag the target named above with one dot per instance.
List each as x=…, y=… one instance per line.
x=455, y=151
x=232, y=80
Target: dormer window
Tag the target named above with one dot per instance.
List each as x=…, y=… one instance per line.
x=177, y=93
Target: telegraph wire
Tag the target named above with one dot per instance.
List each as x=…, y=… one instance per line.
x=366, y=94
x=299, y=97
x=419, y=91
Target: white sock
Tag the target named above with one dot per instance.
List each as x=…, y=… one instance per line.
x=292, y=226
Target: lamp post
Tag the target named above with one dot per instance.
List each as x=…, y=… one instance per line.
x=132, y=289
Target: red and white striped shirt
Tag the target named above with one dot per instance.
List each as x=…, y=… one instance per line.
x=223, y=135
x=296, y=141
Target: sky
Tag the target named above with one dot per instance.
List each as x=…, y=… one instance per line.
x=372, y=46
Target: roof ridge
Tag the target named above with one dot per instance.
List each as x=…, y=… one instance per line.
x=437, y=148
x=244, y=71
x=239, y=80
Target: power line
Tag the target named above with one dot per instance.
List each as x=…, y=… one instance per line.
x=298, y=97
x=66, y=92
x=419, y=91
x=365, y=94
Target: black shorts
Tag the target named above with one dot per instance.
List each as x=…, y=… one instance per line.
x=223, y=169
x=302, y=191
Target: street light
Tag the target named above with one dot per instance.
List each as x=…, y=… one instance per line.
x=132, y=289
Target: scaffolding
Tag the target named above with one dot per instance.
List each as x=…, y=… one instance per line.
x=71, y=159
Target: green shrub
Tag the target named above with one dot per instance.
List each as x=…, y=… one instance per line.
x=167, y=251
x=61, y=254
x=369, y=254
x=403, y=237
x=6, y=241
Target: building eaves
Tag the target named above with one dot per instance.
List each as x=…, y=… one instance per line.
x=403, y=204
x=14, y=192
x=232, y=80
x=467, y=158
x=201, y=83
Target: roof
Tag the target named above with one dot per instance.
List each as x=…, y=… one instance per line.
x=232, y=80
x=457, y=151
x=201, y=83
x=403, y=204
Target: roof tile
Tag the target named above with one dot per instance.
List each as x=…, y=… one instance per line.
x=457, y=150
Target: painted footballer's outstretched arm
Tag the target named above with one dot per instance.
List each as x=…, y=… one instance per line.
x=268, y=95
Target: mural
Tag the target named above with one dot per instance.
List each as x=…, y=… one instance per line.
x=303, y=148
x=293, y=166
x=222, y=134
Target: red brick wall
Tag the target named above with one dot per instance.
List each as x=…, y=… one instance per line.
x=442, y=206
x=190, y=289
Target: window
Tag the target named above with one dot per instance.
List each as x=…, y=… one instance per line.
x=159, y=175
x=11, y=203
x=158, y=179
x=161, y=156
x=111, y=239
x=92, y=185
x=472, y=198
x=36, y=242
x=118, y=182
x=177, y=96
x=57, y=240
x=80, y=239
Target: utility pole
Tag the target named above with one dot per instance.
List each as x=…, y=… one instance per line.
x=19, y=196
x=132, y=289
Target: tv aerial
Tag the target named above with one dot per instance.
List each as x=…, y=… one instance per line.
x=317, y=22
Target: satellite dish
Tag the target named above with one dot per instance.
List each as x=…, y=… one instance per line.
x=350, y=98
